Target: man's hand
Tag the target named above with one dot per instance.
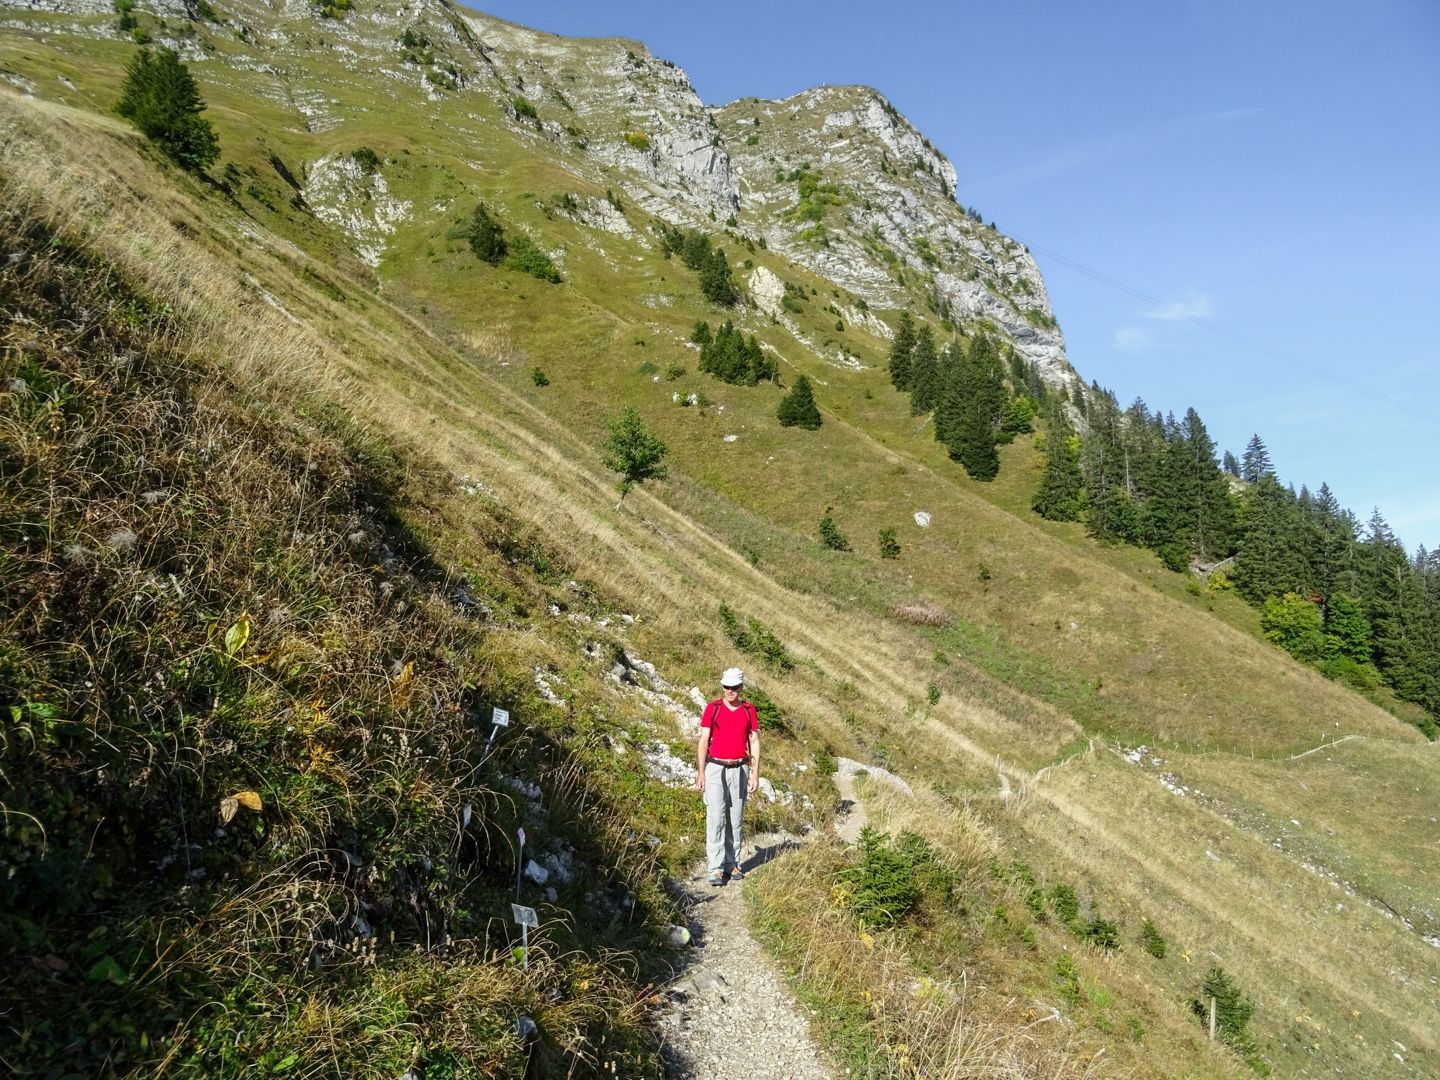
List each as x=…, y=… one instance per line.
x=754, y=784
x=700, y=781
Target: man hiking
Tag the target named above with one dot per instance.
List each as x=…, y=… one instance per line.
x=727, y=770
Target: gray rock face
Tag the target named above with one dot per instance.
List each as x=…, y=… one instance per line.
x=890, y=224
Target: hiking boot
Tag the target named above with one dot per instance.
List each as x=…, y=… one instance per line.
x=716, y=878
x=736, y=874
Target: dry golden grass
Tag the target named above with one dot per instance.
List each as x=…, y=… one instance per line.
x=669, y=556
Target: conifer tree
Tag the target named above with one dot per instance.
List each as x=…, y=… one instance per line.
x=486, y=236
x=1058, y=498
x=715, y=281
x=950, y=399
x=981, y=380
x=900, y=351
x=797, y=408
x=924, y=373
x=1229, y=464
x=1347, y=629
x=1255, y=462
x=161, y=99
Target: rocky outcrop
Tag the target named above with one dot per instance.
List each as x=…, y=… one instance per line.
x=882, y=218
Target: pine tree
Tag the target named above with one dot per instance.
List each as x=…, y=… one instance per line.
x=797, y=408
x=1230, y=466
x=486, y=236
x=1255, y=462
x=1058, y=498
x=924, y=373
x=161, y=99
x=715, y=281
x=950, y=399
x=1347, y=630
x=900, y=352
x=1272, y=559
x=982, y=382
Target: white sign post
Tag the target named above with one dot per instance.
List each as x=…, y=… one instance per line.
x=527, y=918
x=519, y=860
x=499, y=718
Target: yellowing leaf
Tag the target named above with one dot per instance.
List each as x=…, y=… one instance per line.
x=406, y=674
x=237, y=635
x=248, y=799
x=228, y=808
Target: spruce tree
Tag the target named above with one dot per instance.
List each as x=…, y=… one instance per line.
x=950, y=400
x=1058, y=498
x=1255, y=462
x=1229, y=464
x=715, y=281
x=486, y=236
x=924, y=373
x=900, y=352
x=797, y=408
x=982, y=382
x=160, y=98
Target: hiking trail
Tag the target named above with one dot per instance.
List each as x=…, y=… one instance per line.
x=730, y=1013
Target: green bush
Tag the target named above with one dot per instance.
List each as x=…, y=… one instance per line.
x=367, y=159
x=1067, y=979
x=754, y=637
x=523, y=109
x=1064, y=903
x=527, y=256
x=539, y=378
x=767, y=713
x=1103, y=933
x=831, y=536
x=889, y=545
x=892, y=878
x=932, y=694
x=1233, y=1010
x=825, y=762
x=638, y=140
x=1154, y=941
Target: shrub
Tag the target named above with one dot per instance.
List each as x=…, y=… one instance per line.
x=539, y=378
x=889, y=546
x=1064, y=903
x=1154, y=942
x=674, y=371
x=767, y=713
x=486, y=236
x=754, y=637
x=1233, y=1011
x=160, y=98
x=1067, y=979
x=831, y=536
x=366, y=158
x=1102, y=932
x=527, y=256
x=1294, y=623
x=825, y=762
x=523, y=109
x=638, y=140
x=932, y=694
x=891, y=879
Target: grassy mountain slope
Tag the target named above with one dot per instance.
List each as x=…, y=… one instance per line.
x=1058, y=640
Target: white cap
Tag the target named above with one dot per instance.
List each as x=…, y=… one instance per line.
x=733, y=677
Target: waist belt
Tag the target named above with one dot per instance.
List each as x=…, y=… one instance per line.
x=724, y=764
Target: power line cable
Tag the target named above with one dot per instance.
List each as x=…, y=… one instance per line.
x=1239, y=339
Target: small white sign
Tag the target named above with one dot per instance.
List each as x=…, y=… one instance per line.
x=525, y=916
x=500, y=717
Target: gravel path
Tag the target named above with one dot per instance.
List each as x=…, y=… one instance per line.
x=730, y=1013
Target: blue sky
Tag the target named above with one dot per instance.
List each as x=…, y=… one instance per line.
x=1266, y=177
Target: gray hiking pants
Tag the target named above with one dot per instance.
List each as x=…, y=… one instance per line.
x=725, y=794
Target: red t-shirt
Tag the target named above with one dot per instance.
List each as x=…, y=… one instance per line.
x=730, y=729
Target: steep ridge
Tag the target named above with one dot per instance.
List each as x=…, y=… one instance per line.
x=1010, y=683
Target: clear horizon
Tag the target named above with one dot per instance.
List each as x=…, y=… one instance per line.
x=1232, y=204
